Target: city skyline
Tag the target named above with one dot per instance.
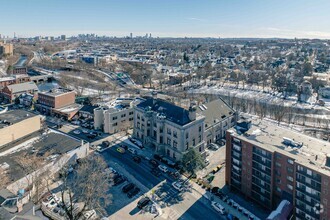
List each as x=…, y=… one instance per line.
x=234, y=19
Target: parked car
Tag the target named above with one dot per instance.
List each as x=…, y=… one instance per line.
x=127, y=187
x=163, y=168
x=137, y=159
x=178, y=186
x=133, y=192
x=156, y=172
x=153, y=163
x=133, y=151
x=106, y=143
x=207, y=162
x=76, y=132
x=119, y=180
x=143, y=202
x=158, y=157
x=219, y=208
x=174, y=175
x=121, y=150
x=136, y=142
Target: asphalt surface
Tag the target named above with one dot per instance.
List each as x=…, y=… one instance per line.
x=141, y=172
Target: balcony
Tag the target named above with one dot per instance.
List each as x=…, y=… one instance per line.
x=234, y=155
x=303, y=199
x=311, y=212
x=314, y=176
x=261, y=176
x=265, y=162
x=258, y=166
x=236, y=177
x=257, y=182
x=302, y=189
x=314, y=185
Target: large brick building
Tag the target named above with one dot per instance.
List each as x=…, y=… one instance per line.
x=269, y=164
x=59, y=102
x=13, y=91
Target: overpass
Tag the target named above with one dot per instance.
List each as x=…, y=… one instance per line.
x=41, y=78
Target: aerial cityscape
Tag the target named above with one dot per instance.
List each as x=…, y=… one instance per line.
x=189, y=110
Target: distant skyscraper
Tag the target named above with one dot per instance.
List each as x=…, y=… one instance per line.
x=131, y=35
x=150, y=35
x=63, y=37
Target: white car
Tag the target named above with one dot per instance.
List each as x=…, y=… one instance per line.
x=163, y=168
x=133, y=151
x=76, y=132
x=98, y=148
x=219, y=208
x=178, y=186
x=85, y=131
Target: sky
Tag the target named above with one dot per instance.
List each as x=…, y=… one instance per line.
x=167, y=18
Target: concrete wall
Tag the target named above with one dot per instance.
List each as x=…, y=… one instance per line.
x=19, y=130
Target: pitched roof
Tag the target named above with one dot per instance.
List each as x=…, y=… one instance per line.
x=172, y=112
x=21, y=87
x=215, y=111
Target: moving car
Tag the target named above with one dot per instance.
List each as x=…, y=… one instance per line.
x=163, y=168
x=136, y=142
x=219, y=208
x=143, y=202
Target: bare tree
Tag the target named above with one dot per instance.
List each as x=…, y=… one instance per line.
x=88, y=186
x=4, y=177
x=278, y=112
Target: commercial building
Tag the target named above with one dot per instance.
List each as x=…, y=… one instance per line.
x=219, y=117
x=16, y=79
x=19, y=70
x=168, y=129
x=269, y=164
x=58, y=102
x=17, y=124
x=117, y=117
x=10, y=92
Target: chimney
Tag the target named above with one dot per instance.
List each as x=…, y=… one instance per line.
x=192, y=112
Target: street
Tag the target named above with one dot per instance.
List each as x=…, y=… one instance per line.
x=186, y=205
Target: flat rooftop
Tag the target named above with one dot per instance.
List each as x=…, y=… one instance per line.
x=52, y=143
x=13, y=117
x=56, y=92
x=307, y=151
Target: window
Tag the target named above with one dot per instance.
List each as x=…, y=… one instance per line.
x=114, y=124
x=187, y=135
x=123, y=115
x=200, y=129
x=169, y=131
x=175, y=144
x=130, y=113
x=278, y=164
x=290, y=186
x=169, y=141
x=290, y=161
x=309, y=172
x=278, y=189
x=160, y=130
x=175, y=134
x=186, y=145
x=290, y=170
x=289, y=178
x=114, y=118
x=194, y=142
x=130, y=119
x=200, y=138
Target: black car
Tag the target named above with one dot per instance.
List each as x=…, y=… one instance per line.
x=133, y=192
x=156, y=172
x=154, y=163
x=106, y=143
x=127, y=187
x=119, y=180
x=143, y=202
x=158, y=157
x=137, y=159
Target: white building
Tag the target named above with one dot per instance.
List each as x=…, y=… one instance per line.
x=116, y=117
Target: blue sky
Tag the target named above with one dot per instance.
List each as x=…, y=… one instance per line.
x=167, y=18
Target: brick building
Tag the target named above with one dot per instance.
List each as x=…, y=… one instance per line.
x=10, y=92
x=60, y=102
x=269, y=164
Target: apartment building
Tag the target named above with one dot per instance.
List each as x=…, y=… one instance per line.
x=7, y=49
x=269, y=164
x=219, y=117
x=116, y=117
x=169, y=129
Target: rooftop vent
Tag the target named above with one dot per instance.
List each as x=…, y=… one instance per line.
x=291, y=142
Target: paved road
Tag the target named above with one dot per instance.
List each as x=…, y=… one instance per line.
x=190, y=208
